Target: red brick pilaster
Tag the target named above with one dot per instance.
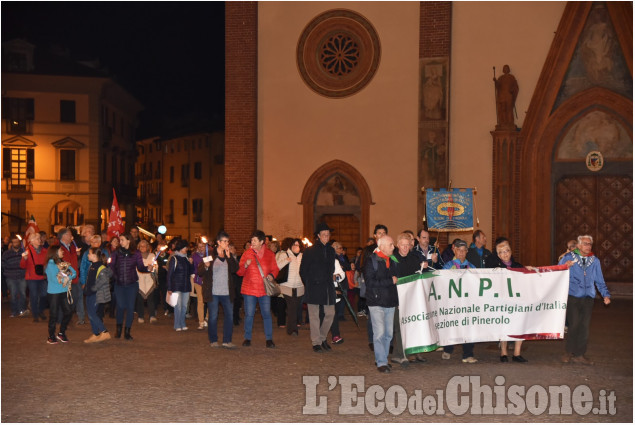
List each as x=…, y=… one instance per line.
x=241, y=138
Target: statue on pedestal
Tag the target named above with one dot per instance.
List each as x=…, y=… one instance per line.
x=506, y=94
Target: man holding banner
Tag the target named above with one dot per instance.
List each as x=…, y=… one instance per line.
x=585, y=273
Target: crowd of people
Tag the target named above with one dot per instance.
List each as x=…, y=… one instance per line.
x=90, y=275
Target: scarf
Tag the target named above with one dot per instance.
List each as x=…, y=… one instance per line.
x=384, y=256
x=577, y=251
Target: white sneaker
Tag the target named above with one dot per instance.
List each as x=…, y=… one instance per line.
x=184, y=328
x=446, y=356
x=229, y=345
x=140, y=320
x=153, y=319
x=179, y=329
x=215, y=345
x=205, y=323
x=201, y=326
x=470, y=360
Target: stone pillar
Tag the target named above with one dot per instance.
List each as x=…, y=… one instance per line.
x=241, y=136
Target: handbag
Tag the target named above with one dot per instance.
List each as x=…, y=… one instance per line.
x=272, y=288
x=38, y=268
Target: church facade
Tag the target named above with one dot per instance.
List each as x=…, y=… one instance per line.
x=344, y=111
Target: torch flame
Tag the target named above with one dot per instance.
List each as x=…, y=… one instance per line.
x=203, y=239
x=306, y=241
x=18, y=236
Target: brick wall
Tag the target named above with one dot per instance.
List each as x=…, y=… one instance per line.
x=435, y=29
x=241, y=77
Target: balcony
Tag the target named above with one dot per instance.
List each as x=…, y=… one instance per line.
x=18, y=188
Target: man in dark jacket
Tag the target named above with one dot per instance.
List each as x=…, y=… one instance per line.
x=317, y=271
x=477, y=254
x=380, y=274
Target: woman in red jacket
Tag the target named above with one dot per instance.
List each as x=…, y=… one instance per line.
x=34, y=261
x=253, y=288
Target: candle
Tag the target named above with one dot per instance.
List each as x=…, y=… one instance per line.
x=204, y=239
x=159, y=251
x=21, y=241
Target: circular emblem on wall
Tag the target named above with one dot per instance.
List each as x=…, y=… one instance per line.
x=338, y=53
x=594, y=161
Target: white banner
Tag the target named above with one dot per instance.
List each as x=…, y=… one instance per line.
x=450, y=307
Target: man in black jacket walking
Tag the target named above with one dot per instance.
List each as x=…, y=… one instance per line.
x=317, y=271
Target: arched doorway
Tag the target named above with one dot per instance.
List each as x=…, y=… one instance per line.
x=337, y=194
x=66, y=213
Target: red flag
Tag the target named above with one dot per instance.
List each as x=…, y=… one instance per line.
x=115, y=223
x=31, y=229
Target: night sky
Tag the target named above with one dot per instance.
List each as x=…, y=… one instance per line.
x=169, y=55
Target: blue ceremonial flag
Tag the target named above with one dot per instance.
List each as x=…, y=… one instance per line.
x=449, y=210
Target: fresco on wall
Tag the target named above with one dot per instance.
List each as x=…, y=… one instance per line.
x=596, y=131
x=337, y=191
x=598, y=60
x=433, y=96
x=432, y=157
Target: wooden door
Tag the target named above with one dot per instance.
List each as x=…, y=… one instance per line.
x=346, y=230
x=600, y=206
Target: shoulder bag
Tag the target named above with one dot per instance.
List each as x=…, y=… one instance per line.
x=272, y=288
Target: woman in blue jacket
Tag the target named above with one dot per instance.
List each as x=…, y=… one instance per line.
x=124, y=263
x=59, y=275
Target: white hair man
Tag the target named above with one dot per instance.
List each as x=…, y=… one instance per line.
x=380, y=275
x=585, y=273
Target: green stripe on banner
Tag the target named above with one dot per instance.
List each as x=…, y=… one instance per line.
x=413, y=277
x=421, y=349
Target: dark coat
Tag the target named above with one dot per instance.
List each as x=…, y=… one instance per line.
x=380, y=288
x=408, y=265
x=477, y=260
x=124, y=266
x=179, y=272
x=317, y=270
x=207, y=274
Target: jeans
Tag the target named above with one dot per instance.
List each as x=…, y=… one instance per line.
x=579, y=317
x=265, y=311
x=17, y=292
x=78, y=300
x=228, y=323
x=126, y=296
x=59, y=302
x=96, y=323
x=37, y=295
x=382, y=318
x=180, y=309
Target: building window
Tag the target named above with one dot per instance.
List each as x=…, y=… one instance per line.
x=19, y=165
x=122, y=171
x=104, y=165
x=67, y=111
x=184, y=206
x=158, y=172
x=19, y=114
x=170, y=217
x=197, y=210
x=185, y=175
x=198, y=170
x=171, y=174
x=67, y=164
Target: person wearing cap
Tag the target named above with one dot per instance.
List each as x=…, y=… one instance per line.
x=459, y=247
x=317, y=271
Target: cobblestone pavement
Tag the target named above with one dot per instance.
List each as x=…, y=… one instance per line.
x=168, y=376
